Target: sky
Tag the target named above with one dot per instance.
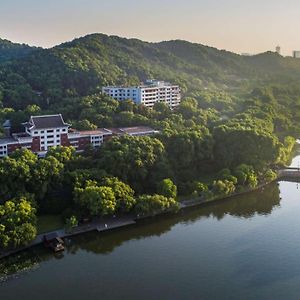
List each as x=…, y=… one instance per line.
x=240, y=26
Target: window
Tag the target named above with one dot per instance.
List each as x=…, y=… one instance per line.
x=58, y=135
x=42, y=131
x=36, y=132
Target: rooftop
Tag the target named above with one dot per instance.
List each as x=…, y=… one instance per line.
x=47, y=121
x=5, y=141
x=147, y=84
x=95, y=131
x=137, y=129
x=132, y=130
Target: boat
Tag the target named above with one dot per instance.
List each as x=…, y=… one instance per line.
x=54, y=242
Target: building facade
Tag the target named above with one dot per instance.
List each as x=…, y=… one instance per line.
x=43, y=132
x=278, y=50
x=148, y=94
x=296, y=54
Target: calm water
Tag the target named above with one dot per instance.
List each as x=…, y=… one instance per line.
x=247, y=247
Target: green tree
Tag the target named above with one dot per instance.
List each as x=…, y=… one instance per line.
x=95, y=200
x=199, y=188
x=147, y=204
x=124, y=194
x=71, y=222
x=140, y=161
x=270, y=175
x=17, y=223
x=239, y=143
x=62, y=154
x=245, y=175
x=189, y=152
x=167, y=188
x=223, y=187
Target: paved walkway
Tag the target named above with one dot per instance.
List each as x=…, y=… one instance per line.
x=99, y=225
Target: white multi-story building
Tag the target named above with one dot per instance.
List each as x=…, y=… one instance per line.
x=43, y=132
x=296, y=54
x=148, y=94
x=48, y=131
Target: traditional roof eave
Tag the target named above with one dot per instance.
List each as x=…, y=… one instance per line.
x=33, y=124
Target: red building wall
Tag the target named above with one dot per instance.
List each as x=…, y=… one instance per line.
x=107, y=137
x=64, y=140
x=83, y=142
x=13, y=147
x=36, y=144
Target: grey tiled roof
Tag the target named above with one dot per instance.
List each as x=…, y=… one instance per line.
x=48, y=121
x=6, y=141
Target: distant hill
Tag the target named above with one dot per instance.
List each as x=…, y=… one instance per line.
x=10, y=51
x=84, y=65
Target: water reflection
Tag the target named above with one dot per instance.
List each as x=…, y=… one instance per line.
x=260, y=202
x=25, y=261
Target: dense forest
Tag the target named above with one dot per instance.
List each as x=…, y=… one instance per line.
x=237, y=123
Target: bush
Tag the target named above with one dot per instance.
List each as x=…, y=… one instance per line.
x=270, y=176
x=199, y=188
x=167, y=188
x=71, y=222
x=223, y=187
x=147, y=204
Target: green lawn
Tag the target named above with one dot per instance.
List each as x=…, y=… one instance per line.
x=47, y=223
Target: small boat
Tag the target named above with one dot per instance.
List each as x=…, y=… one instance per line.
x=53, y=242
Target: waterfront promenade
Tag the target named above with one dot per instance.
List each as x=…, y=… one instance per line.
x=99, y=225
x=110, y=223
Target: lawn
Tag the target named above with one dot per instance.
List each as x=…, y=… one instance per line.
x=47, y=223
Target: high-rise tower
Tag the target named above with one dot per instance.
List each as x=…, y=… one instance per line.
x=278, y=50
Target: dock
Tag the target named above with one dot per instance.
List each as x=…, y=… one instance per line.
x=289, y=173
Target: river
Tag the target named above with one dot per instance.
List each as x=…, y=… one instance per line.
x=245, y=247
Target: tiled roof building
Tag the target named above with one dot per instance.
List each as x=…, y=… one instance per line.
x=44, y=132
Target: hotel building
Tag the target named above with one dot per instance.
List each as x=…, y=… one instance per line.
x=148, y=94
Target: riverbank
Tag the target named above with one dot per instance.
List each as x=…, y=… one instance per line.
x=111, y=223
x=97, y=225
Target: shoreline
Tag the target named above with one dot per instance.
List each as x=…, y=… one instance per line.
x=108, y=224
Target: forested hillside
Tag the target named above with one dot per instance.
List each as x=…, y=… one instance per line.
x=10, y=51
x=83, y=66
x=236, y=124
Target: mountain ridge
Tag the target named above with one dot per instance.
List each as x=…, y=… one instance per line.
x=82, y=66
x=10, y=50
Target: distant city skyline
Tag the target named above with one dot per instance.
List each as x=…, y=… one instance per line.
x=235, y=25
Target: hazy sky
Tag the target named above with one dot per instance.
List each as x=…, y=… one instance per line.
x=236, y=25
